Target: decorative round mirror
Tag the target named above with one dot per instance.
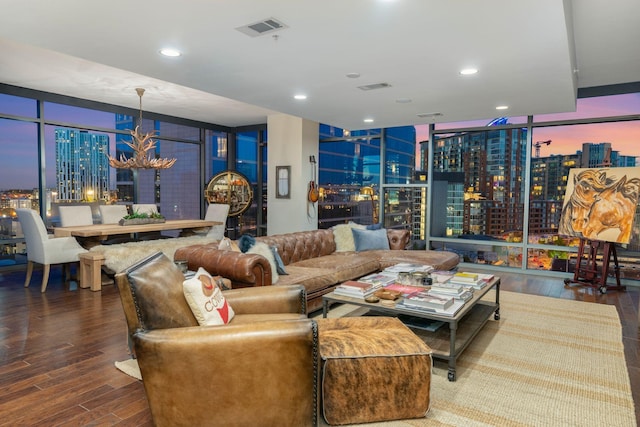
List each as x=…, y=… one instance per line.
x=232, y=188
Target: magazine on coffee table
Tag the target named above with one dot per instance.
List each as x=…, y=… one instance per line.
x=405, y=289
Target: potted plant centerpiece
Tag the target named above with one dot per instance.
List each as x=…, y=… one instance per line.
x=137, y=218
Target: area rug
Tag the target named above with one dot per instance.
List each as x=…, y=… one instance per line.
x=130, y=367
x=546, y=362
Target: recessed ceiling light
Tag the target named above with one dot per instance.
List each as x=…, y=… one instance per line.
x=368, y=120
x=403, y=100
x=170, y=52
x=468, y=71
x=502, y=107
x=353, y=75
x=300, y=97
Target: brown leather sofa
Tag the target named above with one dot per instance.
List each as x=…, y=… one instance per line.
x=310, y=259
x=246, y=373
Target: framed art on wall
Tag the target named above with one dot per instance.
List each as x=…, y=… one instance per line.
x=283, y=182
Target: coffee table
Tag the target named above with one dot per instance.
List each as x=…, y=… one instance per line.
x=446, y=343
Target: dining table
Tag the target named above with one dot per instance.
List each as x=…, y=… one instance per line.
x=105, y=230
x=92, y=262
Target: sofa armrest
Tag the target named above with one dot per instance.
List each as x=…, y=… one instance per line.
x=244, y=270
x=268, y=299
x=244, y=374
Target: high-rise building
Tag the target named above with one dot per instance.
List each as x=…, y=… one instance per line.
x=82, y=166
x=350, y=161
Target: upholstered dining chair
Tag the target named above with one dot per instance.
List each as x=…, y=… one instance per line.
x=148, y=208
x=260, y=369
x=75, y=215
x=217, y=212
x=44, y=248
x=144, y=208
x=112, y=214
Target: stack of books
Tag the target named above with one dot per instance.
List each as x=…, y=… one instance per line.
x=382, y=279
x=448, y=312
x=424, y=299
x=447, y=288
x=407, y=267
x=441, y=276
x=475, y=280
x=354, y=289
x=457, y=292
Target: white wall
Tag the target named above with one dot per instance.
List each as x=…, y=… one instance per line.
x=291, y=140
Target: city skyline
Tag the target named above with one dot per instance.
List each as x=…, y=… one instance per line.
x=625, y=136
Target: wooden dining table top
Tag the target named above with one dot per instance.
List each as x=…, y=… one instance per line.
x=104, y=230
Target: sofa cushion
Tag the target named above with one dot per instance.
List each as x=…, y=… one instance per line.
x=261, y=248
x=227, y=244
x=344, y=266
x=368, y=240
x=301, y=245
x=313, y=279
x=344, y=237
x=278, y=260
x=206, y=300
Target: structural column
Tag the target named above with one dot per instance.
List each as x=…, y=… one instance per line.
x=291, y=141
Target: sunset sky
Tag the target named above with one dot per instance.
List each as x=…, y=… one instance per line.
x=624, y=136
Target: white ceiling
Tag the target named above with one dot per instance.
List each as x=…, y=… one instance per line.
x=531, y=54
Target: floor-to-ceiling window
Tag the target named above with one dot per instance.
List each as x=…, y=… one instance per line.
x=602, y=134
x=19, y=154
x=479, y=175
x=251, y=162
x=504, y=183
x=55, y=151
x=348, y=176
x=403, y=193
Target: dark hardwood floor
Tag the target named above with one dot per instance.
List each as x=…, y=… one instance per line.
x=57, y=350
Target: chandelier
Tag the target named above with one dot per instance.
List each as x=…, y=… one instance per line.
x=143, y=147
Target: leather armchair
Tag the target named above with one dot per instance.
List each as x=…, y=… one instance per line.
x=259, y=370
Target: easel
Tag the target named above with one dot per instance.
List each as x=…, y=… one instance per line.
x=587, y=272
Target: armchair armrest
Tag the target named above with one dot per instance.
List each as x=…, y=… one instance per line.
x=240, y=375
x=244, y=270
x=268, y=299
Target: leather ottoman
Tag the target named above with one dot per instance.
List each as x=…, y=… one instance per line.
x=372, y=369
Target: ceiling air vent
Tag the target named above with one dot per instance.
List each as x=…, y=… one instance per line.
x=428, y=115
x=374, y=86
x=260, y=28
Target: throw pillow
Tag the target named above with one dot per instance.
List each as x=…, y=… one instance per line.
x=367, y=240
x=245, y=242
x=208, y=304
x=278, y=259
x=344, y=238
x=227, y=244
x=377, y=226
x=263, y=249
